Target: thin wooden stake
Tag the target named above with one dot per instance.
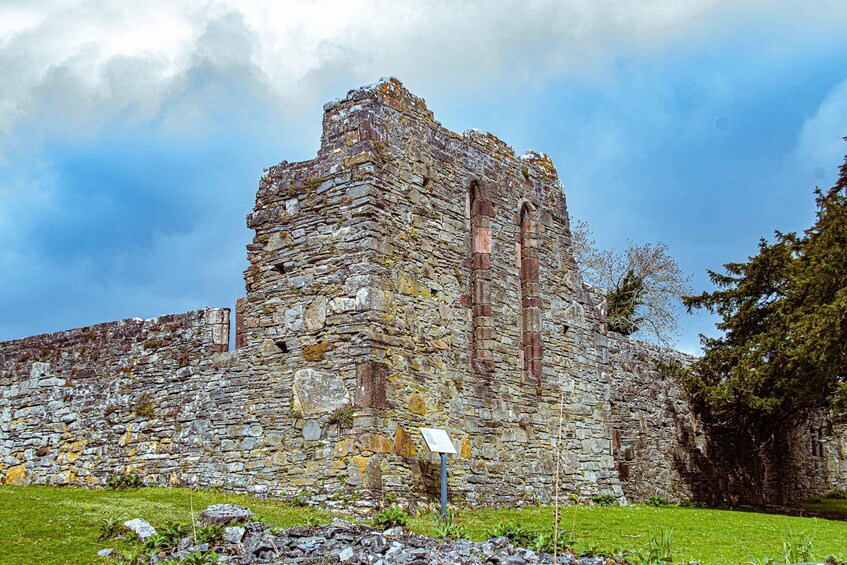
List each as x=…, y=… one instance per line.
x=556, y=492
x=191, y=503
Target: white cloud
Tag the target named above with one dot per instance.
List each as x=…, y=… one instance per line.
x=92, y=57
x=820, y=148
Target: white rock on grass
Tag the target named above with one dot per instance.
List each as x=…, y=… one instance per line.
x=225, y=514
x=233, y=534
x=140, y=527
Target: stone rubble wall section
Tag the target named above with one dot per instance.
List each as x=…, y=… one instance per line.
x=128, y=396
x=653, y=428
x=661, y=448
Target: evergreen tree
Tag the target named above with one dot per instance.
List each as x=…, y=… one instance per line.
x=623, y=302
x=783, y=352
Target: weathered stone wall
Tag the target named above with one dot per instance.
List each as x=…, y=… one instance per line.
x=406, y=277
x=662, y=448
x=654, y=431
x=406, y=331
x=470, y=339
x=80, y=405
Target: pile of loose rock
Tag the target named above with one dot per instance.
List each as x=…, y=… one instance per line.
x=342, y=542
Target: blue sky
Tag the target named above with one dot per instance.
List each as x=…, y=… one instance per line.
x=132, y=136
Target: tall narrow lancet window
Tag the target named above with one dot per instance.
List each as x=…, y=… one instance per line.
x=530, y=293
x=483, y=332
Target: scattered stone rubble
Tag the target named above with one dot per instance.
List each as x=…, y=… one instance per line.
x=351, y=544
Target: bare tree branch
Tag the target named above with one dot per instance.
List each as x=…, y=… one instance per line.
x=643, y=285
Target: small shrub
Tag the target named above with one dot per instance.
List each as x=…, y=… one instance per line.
x=312, y=522
x=311, y=184
x=657, y=501
x=133, y=556
x=544, y=541
x=126, y=481
x=659, y=550
x=300, y=501
x=110, y=528
x=605, y=499
x=390, y=498
x=212, y=534
x=838, y=494
x=691, y=504
x=144, y=407
x=797, y=548
x=586, y=550
x=343, y=417
x=447, y=529
x=391, y=518
x=173, y=532
x=814, y=500
x=156, y=542
x=200, y=558
x=517, y=534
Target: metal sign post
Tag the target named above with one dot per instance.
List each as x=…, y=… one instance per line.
x=439, y=442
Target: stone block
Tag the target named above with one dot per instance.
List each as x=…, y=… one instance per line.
x=417, y=405
x=482, y=240
x=317, y=392
x=370, y=385
x=315, y=316
x=368, y=298
x=403, y=445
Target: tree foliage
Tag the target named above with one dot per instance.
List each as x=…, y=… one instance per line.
x=643, y=285
x=783, y=348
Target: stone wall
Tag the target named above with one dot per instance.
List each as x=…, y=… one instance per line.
x=662, y=448
x=80, y=405
x=654, y=431
x=428, y=320
x=406, y=277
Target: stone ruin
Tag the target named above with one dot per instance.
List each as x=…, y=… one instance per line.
x=406, y=277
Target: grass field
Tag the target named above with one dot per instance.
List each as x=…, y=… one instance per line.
x=827, y=505
x=41, y=525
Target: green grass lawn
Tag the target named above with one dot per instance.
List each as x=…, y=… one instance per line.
x=827, y=505
x=705, y=535
x=43, y=525
x=60, y=525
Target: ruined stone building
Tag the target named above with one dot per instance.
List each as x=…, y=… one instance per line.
x=405, y=277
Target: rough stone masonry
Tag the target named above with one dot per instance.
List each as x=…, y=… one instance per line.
x=407, y=276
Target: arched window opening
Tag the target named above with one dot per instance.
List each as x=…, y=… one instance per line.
x=530, y=294
x=483, y=333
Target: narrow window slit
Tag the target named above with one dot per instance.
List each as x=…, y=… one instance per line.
x=282, y=346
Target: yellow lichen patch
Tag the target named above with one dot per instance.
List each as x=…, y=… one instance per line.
x=342, y=448
x=316, y=352
x=70, y=452
x=15, y=475
x=417, y=405
x=125, y=439
x=361, y=462
x=379, y=444
x=465, y=452
x=403, y=445
x=408, y=284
